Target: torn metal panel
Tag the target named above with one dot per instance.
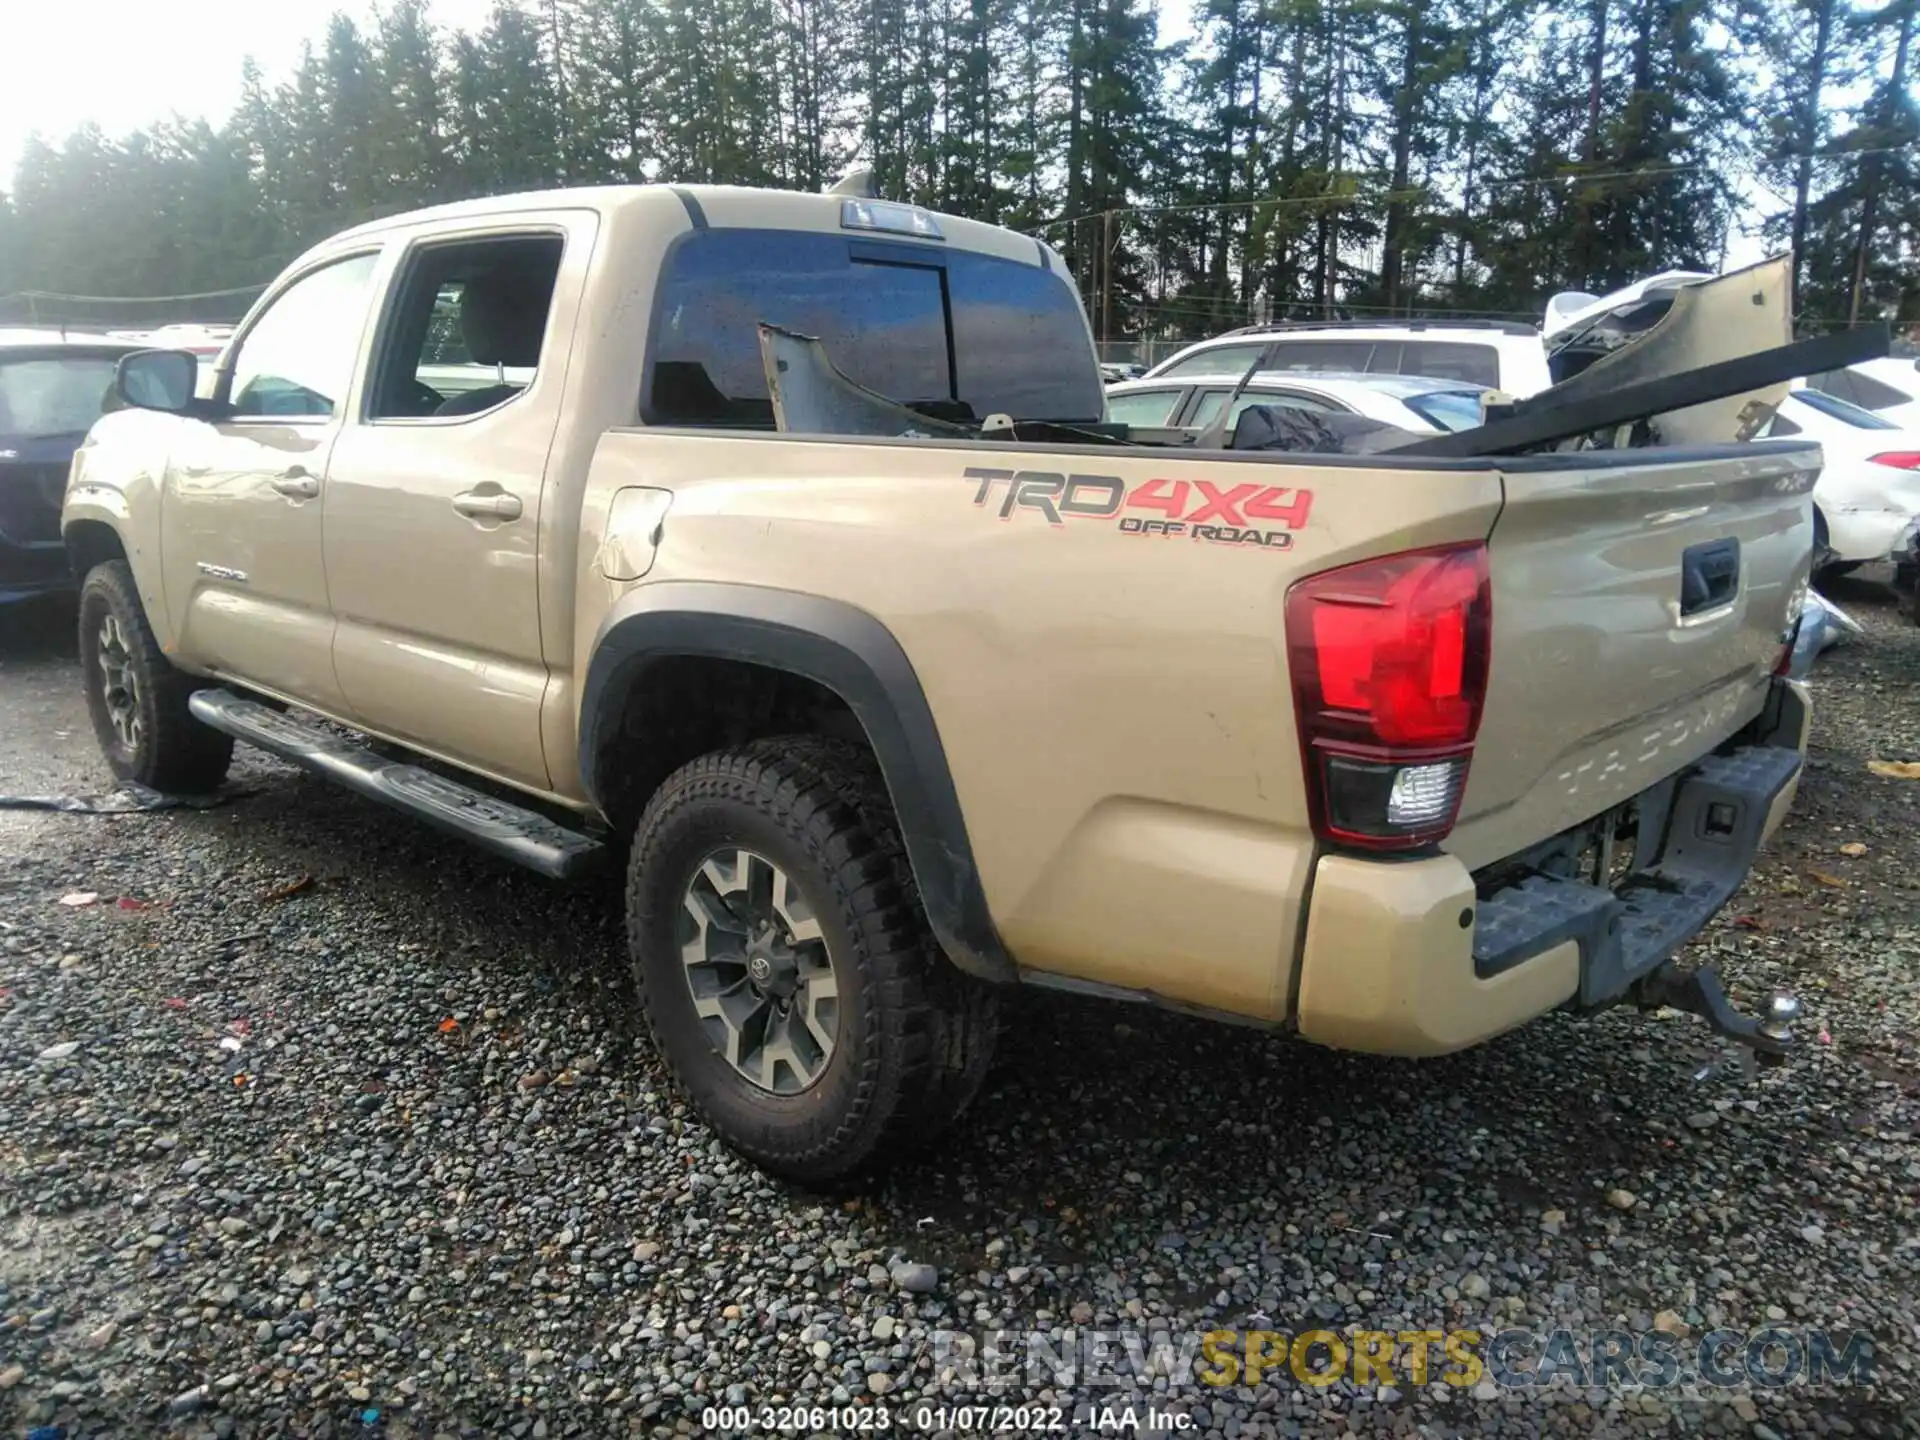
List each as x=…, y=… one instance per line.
x=812, y=397
x=1554, y=418
x=1668, y=330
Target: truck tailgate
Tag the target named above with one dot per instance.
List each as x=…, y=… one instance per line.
x=1640, y=598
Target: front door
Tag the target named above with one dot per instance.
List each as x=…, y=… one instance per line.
x=434, y=496
x=241, y=514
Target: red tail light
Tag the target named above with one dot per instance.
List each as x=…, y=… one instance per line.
x=1389, y=661
x=1899, y=459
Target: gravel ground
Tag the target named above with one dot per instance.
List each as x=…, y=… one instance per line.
x=314, y=1123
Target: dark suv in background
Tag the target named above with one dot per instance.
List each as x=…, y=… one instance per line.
x=52, y=389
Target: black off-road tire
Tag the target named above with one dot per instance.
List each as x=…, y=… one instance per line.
x=915, y=1035
x=168, y=750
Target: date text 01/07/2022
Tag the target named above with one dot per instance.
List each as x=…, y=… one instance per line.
x=928, y=1417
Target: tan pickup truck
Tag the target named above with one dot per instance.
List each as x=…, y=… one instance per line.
x=1393, y=752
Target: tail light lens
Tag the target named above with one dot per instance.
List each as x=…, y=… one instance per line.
x=1389, y=662
x=1898, y=459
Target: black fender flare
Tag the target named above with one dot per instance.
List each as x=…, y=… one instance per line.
x=851, y=653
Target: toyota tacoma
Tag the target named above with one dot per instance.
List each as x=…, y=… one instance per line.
x=780, y=544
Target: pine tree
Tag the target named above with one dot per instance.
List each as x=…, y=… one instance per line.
x=410, y=140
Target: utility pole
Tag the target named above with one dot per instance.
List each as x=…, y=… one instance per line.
x=1106, y=277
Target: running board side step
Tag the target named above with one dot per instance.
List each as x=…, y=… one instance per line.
x=507, y=830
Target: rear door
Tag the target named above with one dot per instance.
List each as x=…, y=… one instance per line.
x=435, y=493
x=1640, y=603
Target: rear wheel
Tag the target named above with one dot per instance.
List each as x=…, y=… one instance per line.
x=136, y=698
x=786, y=967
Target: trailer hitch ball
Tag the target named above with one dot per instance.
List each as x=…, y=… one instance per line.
x=1781, y=1014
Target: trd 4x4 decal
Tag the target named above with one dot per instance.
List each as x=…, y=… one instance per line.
x=1243, y=514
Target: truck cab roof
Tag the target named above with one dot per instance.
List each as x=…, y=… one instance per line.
x=726, y=207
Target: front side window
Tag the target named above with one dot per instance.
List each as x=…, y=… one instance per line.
x=45, y=397
x=1141, y=407
x=297, y=360
x=466, y=328
x=955, y=333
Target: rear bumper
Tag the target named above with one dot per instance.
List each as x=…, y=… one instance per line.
x=1864, y=535
x=1443, y=966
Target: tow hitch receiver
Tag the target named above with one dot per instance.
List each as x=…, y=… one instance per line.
x=1699, y=992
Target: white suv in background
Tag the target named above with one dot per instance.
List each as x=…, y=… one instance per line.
x=1500, y=355
x=1889, y=387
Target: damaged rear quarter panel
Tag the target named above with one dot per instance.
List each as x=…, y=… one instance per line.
x=1112, y=698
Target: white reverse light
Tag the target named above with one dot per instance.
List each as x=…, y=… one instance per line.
x=1423, y=795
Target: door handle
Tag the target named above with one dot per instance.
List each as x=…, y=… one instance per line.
x=487, y=505
x=296, y=484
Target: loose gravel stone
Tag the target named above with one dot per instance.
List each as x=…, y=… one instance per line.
x=362, y=1212
x=913, y=1277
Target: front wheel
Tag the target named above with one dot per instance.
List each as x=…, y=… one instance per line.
x=137, y=700
x=785, y=964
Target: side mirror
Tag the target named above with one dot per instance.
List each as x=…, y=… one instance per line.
x=158, y=380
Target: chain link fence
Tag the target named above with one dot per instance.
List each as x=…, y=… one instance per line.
x=97, y=313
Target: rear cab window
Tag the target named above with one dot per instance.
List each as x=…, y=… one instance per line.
x=955, y=333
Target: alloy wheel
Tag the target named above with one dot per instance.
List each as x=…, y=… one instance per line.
x=757, y=967
x=119, y=684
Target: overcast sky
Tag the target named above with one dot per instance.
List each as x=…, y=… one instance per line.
x=125, y=63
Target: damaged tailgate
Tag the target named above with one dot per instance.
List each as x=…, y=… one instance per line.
x=1642, y=600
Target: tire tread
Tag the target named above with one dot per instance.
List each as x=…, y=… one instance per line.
x=181, y=756
x=930, y=1029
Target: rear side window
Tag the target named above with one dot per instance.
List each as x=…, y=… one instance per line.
x=1442, y=360
x=952, y=332
x=1218, y=360
x=466, y=330
x=1875, y=394
x=1859, y=389
x=1305, y=354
